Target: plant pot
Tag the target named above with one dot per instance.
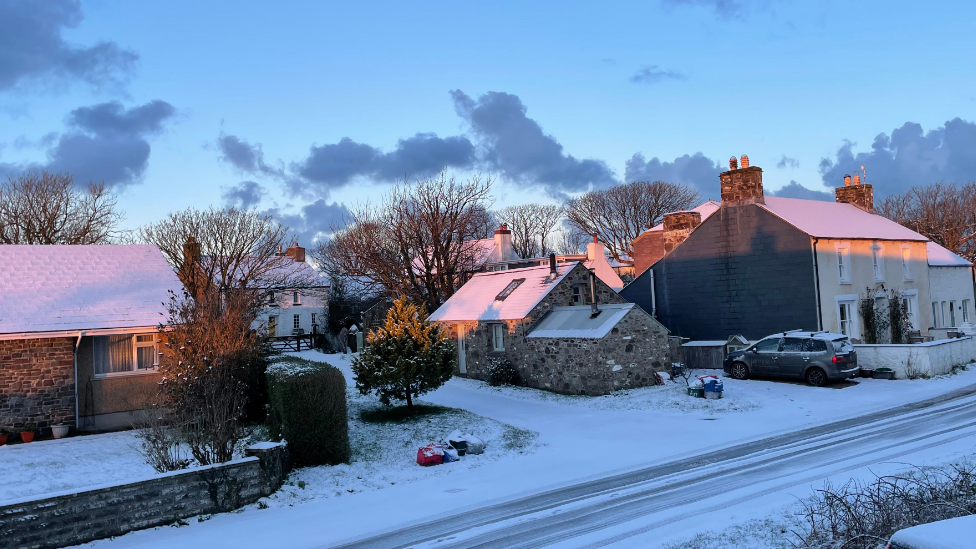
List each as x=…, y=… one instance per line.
x=879, y=374
x=3, y=439
x=698, y=393
x=27, y=436
x=865, y=373
x=60, y=431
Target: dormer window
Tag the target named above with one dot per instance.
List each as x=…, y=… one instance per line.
x=509, y=289
x=296, y=298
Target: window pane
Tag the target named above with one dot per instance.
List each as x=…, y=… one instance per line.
x=792, y=345
x=297, y=322
x=112, y=354
x=145, y=357
x=768, y=345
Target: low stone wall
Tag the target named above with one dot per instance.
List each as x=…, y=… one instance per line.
x=72, y=518
x=929, y=359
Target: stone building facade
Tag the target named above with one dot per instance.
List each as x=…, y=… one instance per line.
x=628, y=356
x=36, y=382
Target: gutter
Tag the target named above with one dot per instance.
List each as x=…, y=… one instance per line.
x=75, y=354
x=816, y=284
x=653, y=295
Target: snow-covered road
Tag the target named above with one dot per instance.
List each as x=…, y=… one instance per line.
x=626, y=506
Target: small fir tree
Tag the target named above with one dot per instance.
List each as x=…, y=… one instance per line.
x=406, y=358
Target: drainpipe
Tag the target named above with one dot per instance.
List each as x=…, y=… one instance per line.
x=816, y=285
x=77, y=345
x=594, y=309
x=653, y=295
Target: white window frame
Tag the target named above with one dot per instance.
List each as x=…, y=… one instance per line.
x=498, y=337
x=911, y=297
x=878, y=261
x=855, y=316
x=844, y=262
x=965, y=310
x=906, y=262
x=936, y=313
x=314, y=319
x=296, y=322
x=134, y=369
x=273, y=325
x=944, y=309
x=953, y=307
x=296, y=298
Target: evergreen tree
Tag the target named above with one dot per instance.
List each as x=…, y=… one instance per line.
x=406, y=358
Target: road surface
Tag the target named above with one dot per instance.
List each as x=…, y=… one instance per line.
x=620, y=507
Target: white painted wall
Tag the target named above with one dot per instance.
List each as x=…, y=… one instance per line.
x=932, y=358
x=312, y=301
x=862, y=276
x=951, y=285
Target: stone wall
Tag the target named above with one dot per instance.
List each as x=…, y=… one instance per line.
x=648, y=249
x=742, y=186
x=677, y=227
x=861, y=196
x=36, y=382
x=77, y=517
x=625, y=358
x=931, y=358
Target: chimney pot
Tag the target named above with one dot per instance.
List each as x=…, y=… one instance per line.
x=733, y=163
x=552, y=263
x=857, y=179
x=847, y=180
x=744, y=161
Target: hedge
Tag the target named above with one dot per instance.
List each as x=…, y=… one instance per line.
x=308, y=410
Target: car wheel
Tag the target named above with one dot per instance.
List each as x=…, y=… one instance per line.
x=739, y=370
x=816, y=377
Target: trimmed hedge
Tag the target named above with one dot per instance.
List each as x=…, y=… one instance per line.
x=308, y=410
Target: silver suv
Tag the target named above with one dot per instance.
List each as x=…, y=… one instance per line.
x=817, y=357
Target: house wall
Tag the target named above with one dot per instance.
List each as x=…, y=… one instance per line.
x=862, y=278
x=110, y=402
x=951, y=284
x=625, y=358
x=742, y=271
x=36, y=382
x=312, y=301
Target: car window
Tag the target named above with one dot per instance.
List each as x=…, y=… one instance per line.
x=768, y=345
x=842, y=346
x=792, y=345
x=814, y=346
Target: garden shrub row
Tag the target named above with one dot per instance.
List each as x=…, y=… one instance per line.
x=308, y=410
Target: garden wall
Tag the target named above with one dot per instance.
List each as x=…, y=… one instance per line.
x=931, y=358
x=72, y=518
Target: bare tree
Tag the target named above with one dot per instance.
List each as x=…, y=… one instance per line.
x=571, y=240
x=532, y=226
x=418, y=242
x=618, y=215
x=945, y=213
x=230, y=249
x=45, y=208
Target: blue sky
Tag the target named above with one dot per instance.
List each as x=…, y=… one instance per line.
x=178, y=103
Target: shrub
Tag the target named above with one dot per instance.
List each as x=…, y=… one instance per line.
x=407, y=357
x=308, y=409
x=501, y=371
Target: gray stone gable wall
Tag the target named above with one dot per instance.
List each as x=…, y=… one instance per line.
x=37, y=382
x=571, y=365
x=742, y=271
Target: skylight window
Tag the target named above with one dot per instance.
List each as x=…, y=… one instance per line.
x=509, y=289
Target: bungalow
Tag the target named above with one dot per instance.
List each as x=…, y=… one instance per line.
x=562, y=328
x=755, y=265
x=79, y=333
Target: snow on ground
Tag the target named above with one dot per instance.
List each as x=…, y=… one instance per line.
x=54, y=465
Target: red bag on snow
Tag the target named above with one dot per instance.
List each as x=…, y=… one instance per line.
x=432, y=454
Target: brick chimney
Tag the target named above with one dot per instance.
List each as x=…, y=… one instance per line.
x=856, y=194
x=741, y=185
x=296, y=252
x=189, y=270
x=677, y=227
x=503, y=244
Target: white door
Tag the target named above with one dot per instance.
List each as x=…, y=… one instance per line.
x=462, y=348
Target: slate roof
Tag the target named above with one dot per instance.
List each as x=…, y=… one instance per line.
x=476, y=300
x=576, y=321
x=68, y=288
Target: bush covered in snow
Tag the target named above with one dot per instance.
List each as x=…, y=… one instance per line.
x=308, y=409
x=405, y=358
x=501, y=371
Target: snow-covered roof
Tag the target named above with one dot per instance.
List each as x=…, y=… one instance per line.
x=576, y=321
x=941, y=257
x=706, y=210
x=67, y=288
x=477, y=299
x=604, y=271
x=836, y=220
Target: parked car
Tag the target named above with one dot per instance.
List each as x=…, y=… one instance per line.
x=817, y=357
x=956, y=533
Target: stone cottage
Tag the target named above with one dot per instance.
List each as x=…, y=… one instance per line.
x=563, y=328
x=79, y=335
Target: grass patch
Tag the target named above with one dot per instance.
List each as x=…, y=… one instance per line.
x=517, y=440
x=402, y=414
